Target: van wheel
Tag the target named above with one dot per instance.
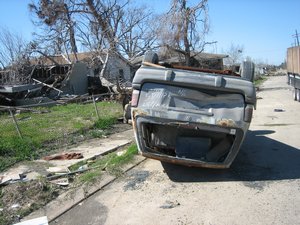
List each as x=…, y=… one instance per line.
x=298, y=94
x=150, y=57
x=295, y=94
x=127, y=113
x=247, y=70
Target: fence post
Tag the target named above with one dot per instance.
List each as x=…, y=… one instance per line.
x=16, y=124
x=96, y=109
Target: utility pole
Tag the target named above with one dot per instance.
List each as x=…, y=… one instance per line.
x=296, y=36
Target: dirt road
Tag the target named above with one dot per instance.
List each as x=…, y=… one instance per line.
x=261, y=187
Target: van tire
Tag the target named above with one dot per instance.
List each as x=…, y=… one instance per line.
x=150, y=57
x=295, y=94
x=247, y=70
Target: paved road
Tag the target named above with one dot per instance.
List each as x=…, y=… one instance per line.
x=261, y=187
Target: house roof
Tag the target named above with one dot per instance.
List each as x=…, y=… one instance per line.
x=81, y=56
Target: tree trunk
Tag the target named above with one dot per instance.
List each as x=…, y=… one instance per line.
x=186, y=42
x=71, y=33
x=103, y=25
x=104, y=65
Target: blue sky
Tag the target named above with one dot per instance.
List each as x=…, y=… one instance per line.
x=263, y=27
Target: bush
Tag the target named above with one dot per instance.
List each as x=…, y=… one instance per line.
x=105, y=122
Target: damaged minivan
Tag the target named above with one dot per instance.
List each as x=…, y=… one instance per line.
x=194, y=118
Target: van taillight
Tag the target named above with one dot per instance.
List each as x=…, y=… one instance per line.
x=135, y=98
x=248, y=113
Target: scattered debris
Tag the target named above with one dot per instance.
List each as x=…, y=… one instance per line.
x=22, y=176
x=121, y=153
x=14, y=206
x=37, y=221
x=61, y=182
x=36, y=102
x=169, y=204
x=39, y=82
x=83, y=167
x=58, y=170
x=64, y=156
x=279, y=110
x=20, y=198
x=69, y=174
x=10, y=179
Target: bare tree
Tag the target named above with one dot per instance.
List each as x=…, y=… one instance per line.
x=12, y=46
x=184, y=27
x=137, y=32
x=56, y=17
x=106, y=18
x=109, y=27
x=235, y=53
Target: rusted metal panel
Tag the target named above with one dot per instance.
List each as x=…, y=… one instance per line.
x=293, y=60
x=293, y=68
x=224, y=72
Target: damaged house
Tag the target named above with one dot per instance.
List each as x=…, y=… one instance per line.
x=60, y=75
x=116, y=65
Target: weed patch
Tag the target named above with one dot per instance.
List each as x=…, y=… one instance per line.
x=13, y=150
x=90, y=176
x=105, y=122
x=112, y=163
x=260, y=81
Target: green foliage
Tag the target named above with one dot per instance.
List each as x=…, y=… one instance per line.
x=13, y=150
x=117, y=161
x=90, y=176
x=105, y=122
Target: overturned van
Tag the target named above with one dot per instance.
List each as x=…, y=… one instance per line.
x=190, y=117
